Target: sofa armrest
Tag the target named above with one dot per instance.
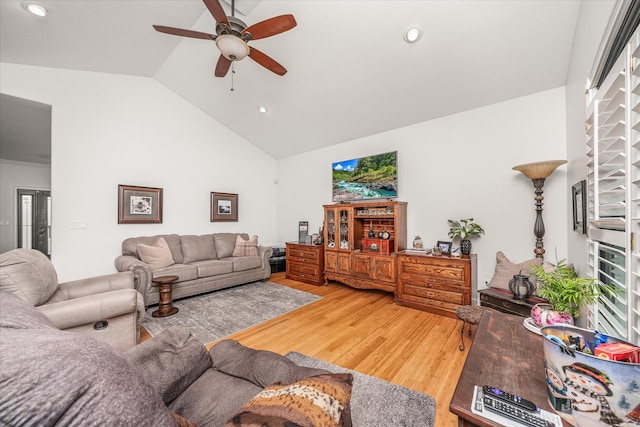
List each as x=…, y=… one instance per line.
x=265, y=253
x=141, y=273
x=171, y=361
x=92, y=308
x=93, y=285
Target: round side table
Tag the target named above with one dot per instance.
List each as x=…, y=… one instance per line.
x=165, y=305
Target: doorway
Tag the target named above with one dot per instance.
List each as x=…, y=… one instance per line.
x=34, y=220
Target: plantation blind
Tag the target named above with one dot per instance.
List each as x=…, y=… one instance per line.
x=613, y=194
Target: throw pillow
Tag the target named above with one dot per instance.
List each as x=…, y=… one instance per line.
x=198, y=248
x=322, y=400
x=157, y=256
x=505, y=270
x=246, y=247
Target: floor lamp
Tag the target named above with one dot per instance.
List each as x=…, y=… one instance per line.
x=538, y=172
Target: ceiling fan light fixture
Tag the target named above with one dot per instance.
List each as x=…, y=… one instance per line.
x=412, y=34
x=35, y=8
x=233, y=48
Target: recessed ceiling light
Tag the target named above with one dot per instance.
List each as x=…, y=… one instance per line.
x=35, y=8
x=412, y=34
x=262, y=109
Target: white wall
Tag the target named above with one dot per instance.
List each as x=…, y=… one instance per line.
x=455, y=167
x=14, y=176
x=112, y=129
x=592, y=23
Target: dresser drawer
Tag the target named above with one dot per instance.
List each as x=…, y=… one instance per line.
x=442, y=271
x=434, y=282
x=430, y=293
x=446, y=307
x=303, y=254
x=299, y=268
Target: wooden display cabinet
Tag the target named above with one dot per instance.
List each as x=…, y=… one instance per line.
x=348, y=226
x=438, y=284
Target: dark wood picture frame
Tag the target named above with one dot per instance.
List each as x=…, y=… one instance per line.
x=224, y=207
x=139, y=205
x=445, y=247
x=579, y=206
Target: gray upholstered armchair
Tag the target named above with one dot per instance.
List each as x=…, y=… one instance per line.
x=106, y=307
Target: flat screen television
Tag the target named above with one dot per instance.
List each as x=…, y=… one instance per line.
x=370, y=177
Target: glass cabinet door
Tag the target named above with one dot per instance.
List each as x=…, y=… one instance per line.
x=344, y=229
x=331, y=228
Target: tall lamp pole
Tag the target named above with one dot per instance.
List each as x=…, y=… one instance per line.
x=537, y=172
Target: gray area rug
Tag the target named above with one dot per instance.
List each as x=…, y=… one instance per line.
x=379, y=403
x=221, y=313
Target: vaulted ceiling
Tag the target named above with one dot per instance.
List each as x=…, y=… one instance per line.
x=350, y=72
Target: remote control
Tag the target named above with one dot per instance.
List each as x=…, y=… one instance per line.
x=515, y=413
x=510, y=398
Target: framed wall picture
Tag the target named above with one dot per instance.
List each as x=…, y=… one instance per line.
x=580, y=207
x=445, y=247
x=224, y=207
x=139, y=205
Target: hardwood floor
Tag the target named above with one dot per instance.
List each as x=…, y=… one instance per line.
x=366, y=331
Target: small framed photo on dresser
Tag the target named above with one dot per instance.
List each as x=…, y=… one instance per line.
x=445, y=247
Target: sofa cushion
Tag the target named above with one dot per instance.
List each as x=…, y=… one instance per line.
x=261, y=367
x=157, y=256
x=213, y=267
x=505, y=270
x=226, y=242
x=197, y=248
x=53, y=377
x=246, y=263
x=246, y=247
x=174, y=353
x=28, y=274
x=213, y=398
x=323, y=400
x=130, y=245
x=184, y=272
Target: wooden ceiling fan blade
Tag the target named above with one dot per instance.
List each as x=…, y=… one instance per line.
x=271, y=27
x=222, y=67
x=215, y=8
x=267, y=62
x=184, y=33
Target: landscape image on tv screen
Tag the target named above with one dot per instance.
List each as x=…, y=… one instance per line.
x=371, y=177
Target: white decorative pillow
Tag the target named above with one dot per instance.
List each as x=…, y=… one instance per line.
x=157, y=256
x=246, y=247
x=505, y=270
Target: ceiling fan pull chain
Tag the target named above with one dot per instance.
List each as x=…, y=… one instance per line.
x=233, y=71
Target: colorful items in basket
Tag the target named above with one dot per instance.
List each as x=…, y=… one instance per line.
x=592, y=379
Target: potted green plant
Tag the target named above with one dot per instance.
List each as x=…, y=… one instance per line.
x=463, y=229
x=566, y=292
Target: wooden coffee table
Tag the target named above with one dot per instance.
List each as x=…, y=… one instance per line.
x=165, y=305
x=505, y=355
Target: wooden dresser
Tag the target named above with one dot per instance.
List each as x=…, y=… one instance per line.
x=305, y=263
x=438, y=284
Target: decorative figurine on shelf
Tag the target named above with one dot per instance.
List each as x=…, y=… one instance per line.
x=417, y=243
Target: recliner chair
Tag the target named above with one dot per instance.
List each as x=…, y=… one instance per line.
x=106, y=307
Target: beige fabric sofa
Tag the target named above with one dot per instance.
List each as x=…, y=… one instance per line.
x=202, y=263
x=108, y=307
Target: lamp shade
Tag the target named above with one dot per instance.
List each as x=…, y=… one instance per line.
x=538, y=170
x=233, y=48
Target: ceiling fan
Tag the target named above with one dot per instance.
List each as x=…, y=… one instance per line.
x=232, y=37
